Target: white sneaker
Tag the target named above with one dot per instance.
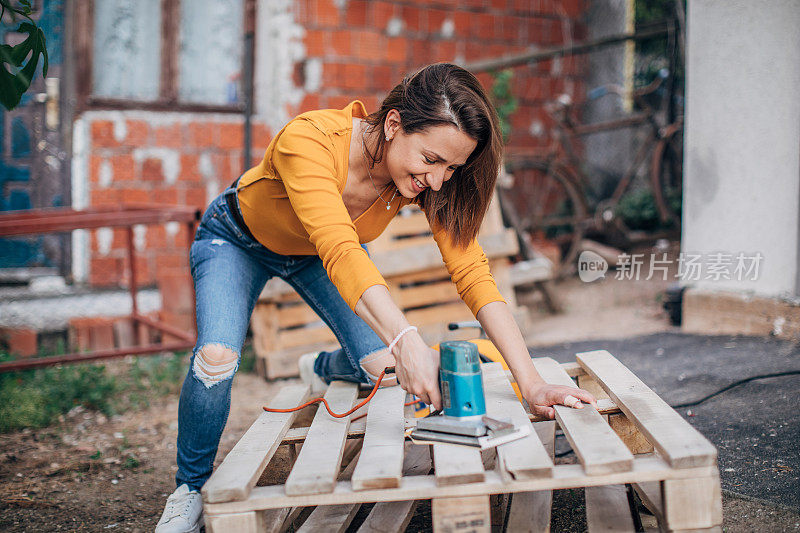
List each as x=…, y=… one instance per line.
x=307, y=374
x=183, y=512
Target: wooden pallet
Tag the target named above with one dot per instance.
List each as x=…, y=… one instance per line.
x=284, y=327
x=634, y=439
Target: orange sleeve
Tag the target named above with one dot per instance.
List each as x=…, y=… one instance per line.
x=304, y=161
x=469, y=269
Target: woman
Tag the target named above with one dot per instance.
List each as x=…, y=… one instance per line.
x=331, y=180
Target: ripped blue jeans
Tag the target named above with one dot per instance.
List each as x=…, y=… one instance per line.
x=230, y=270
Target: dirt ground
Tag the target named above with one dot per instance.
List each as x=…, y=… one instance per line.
x=92, y=473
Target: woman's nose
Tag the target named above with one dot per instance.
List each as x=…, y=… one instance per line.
x=436, y=178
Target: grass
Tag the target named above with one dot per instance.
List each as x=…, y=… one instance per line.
x=36, y=398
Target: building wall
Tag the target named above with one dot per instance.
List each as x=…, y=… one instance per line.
x=310, y=54
x=742, y=154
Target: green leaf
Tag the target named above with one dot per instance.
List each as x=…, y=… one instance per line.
x=15, y=74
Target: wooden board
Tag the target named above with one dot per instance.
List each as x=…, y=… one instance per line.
x=607, y=509
x=240, y=470
x=530, y=511
x=455, y=464
x=523, y=458
x=317, y=465
x=674, y=438
x=468, y=514
x=381, y=462
x=599, y=449
x=646, y=468
x=393, y=517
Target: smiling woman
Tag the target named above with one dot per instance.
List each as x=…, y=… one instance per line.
x=330, y=181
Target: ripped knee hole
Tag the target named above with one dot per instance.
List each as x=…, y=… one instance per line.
x=214, y=363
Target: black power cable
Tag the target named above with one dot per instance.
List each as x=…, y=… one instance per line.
x=717, y=393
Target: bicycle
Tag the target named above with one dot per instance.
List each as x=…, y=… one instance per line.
x=563, y=204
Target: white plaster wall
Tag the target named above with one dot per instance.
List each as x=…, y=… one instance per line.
x=742, y=155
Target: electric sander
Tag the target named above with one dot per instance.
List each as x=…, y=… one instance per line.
x=463, y=418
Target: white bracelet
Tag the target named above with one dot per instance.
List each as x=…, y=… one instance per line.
x=399, y=335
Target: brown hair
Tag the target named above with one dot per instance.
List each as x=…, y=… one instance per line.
x=439, y=94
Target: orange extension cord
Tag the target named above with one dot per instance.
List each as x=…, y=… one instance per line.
x=328, y=407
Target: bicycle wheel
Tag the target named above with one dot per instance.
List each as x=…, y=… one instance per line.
x=550, y=207
x=667, y=175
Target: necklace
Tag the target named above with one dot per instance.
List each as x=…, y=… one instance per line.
x=364, y=149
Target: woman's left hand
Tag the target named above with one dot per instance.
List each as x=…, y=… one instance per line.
x=542, y=396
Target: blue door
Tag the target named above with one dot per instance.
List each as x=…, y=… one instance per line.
x=34, y=166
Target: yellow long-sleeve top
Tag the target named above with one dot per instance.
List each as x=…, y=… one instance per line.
x=292, y=203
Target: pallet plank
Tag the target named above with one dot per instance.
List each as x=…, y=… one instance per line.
x=239, y=471
x=675, y=439
x=317, y=465
x=607, y=509
x=599, y=449
x=455, y=464
x=530, y=511
x=393, y=517
x=519, y=459
x=646, y=468
x=381, y=461
x=468, y=514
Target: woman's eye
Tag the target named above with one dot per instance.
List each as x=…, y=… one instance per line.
x=429, y=161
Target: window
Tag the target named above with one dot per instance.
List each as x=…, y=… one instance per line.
x=162, y=53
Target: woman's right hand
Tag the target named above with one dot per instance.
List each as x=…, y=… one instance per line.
x=417, y=367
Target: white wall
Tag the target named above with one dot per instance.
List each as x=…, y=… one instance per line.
x=742, y=159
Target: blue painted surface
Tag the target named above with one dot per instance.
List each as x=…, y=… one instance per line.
x=16, y=152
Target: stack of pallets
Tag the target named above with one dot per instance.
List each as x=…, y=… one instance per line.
x=634, y=442
x=284, y=327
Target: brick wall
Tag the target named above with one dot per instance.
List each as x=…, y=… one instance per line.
x=362, y=49
x=366, y=47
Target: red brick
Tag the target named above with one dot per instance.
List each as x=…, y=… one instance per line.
x=102, y=134
x=195, y=197
x=105, y=271
x=144, y=272
x=315, y=43
x=151, y=170
x=177, y=291
x=382, y=12
x=340, y=42
x=381, y=77
x=168, y=136
x=189, y=169
x=326, y=13
x=436, y=18
x=461, y=22
x=201, y=134
x=131, y=195
x=222, y=165
x=573, y=8
x=20, y=342
x=91, y=334
x=95, y=161
x=444, y=51
x=355, y=76
x=357, y=13
x=397, y=49
x=420, y=51
x=164, y=197
x=482, y=26
x=310, y=102
x=338, y=101
x=261, y=136
x=412, y=17
x=123, y=167
x=137, y=132
x=499, y=5
x=104, y=197
x=368, y=45
x=231, y=136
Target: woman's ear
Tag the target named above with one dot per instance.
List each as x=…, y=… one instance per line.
x=392, y=124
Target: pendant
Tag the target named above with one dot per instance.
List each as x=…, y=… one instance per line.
x=388, y=206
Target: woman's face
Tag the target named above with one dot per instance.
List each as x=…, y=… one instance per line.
x=425, y=159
